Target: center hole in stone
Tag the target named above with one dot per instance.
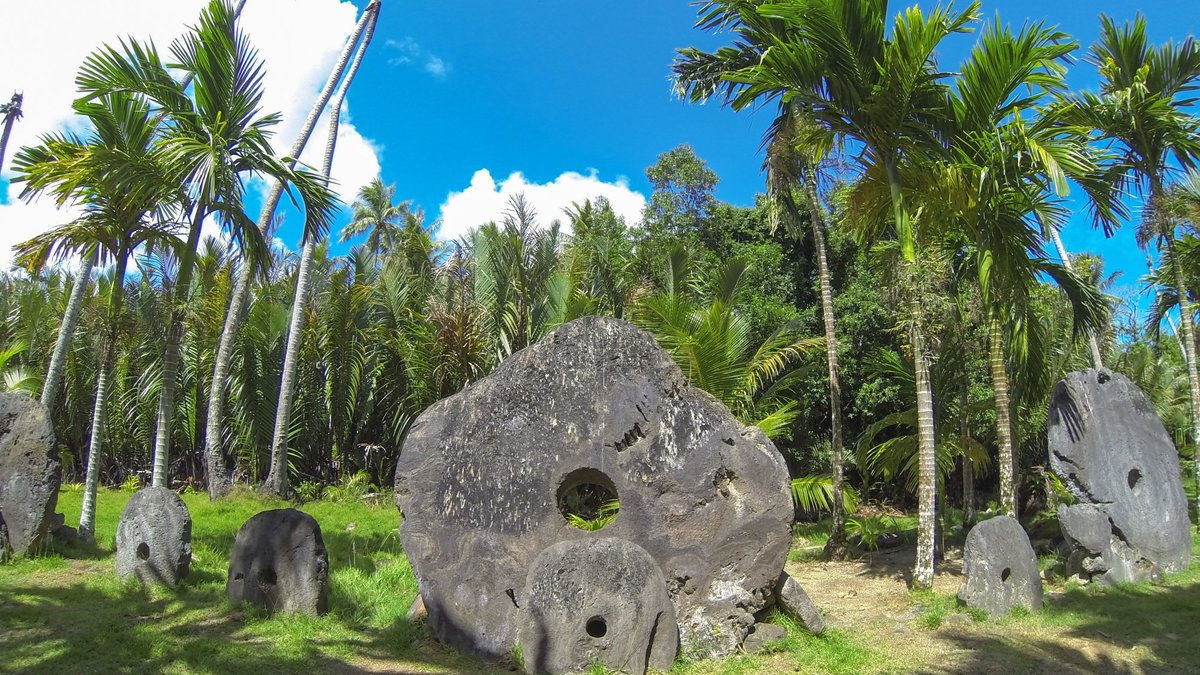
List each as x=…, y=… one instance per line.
x=266, y=576
x=597, y=627
x=588, y=499
x=143, y=551
x=1134, y=477
x=1005, y=574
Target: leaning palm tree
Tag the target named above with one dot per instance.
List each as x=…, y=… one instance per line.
x=213, y=140
x=218, y=479
x=9, y=113
x=794, y=150
x=1143, y=109
x=378, y=216
x=881, y=89
x=116, y=174
x=277, y=479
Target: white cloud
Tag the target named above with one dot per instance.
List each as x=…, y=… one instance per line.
x=299, y=41
x=485, y=200
x=409, y=52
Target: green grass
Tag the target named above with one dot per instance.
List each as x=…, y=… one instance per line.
x=66, y=612
x=71, y=614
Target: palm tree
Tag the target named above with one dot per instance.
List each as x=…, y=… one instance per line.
x=9, y=112
x=795, y=147
x=378, y=216
x=880, y=89
x=116, y=174
x=711, y=343
x=1000, y=186
x=218, y=479
x=1143, y=111
x=277, y=479
x=211, y=140
x=66, y=332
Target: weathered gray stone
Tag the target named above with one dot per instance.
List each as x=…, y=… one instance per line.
x=154, y=538
x=596, y=601
x=482, y=473
x=792, y=598
x=762, y=634
x=279, y=562
x=1000, y=570
x=1113, y=454
x=30, y=472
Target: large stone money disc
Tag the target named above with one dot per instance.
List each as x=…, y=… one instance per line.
x=483, y=473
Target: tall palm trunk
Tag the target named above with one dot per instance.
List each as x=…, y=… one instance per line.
x=926, y=433
x=66, y=331
x=1093, y=343
x=170, y=362
x=836, y=547
x=1189, y=345
x=87, y=515
x=1008, y=485
x=277, y=479
x=926, y=458
x=218, y=479
x=968, y=468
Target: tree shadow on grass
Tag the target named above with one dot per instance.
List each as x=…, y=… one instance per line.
x=1129, y=629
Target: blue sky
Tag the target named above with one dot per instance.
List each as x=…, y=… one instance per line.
x=529, y=86
x=544, y=88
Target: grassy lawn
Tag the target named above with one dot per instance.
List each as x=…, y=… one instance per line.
x=67, y=612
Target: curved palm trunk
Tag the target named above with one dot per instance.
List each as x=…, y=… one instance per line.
x=170, y=364
x=218, y=478
x=1093, y=344
x=9, y=120
x=277, y=479
x=66, y=332
x=1007, y=458
x=1189, y=346
x=87, y=515
x=836, y=547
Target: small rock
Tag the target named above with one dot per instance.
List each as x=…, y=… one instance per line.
x=154, y=538
x=792, y=599
x=763, y=634
x=279, y=562
x=1056, y=596
x=417, y=612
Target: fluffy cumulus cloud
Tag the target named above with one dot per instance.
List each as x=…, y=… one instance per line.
x=486, y=200
x=298, y=49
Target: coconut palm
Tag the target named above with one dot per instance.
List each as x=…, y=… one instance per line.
x=213, y=140
x=1143, y=111
x=378, y=216
x=116, y=174
x=218, y=479
x=277, y=479
x=795, y=147
x=881, y=89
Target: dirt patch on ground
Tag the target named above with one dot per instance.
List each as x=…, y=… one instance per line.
x=869, y=599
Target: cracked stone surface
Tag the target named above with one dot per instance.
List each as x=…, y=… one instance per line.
x=481, y=474
x=1000, y=570
x=154, y=538
x=30, y=472
x=1114, y=455
x=592, y=601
